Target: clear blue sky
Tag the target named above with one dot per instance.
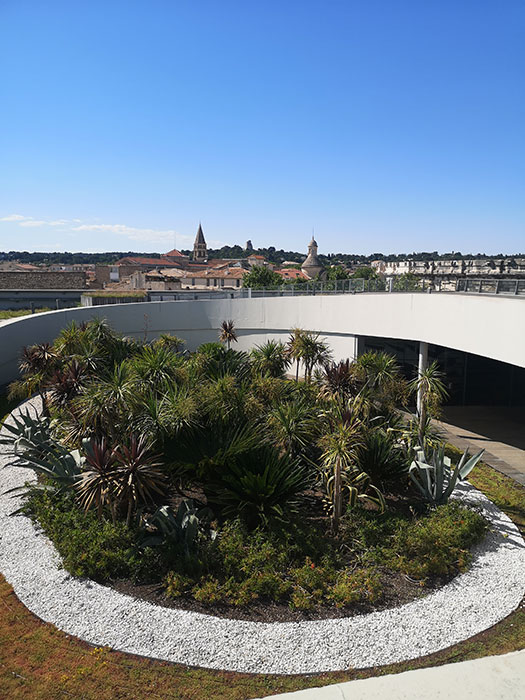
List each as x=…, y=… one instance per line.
x=386, y=125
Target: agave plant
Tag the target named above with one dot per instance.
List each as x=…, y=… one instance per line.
x=178, y=528
x=433, y=475
x=34, y=448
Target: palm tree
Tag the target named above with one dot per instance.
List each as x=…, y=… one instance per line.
x=271, y=359
x=36, y=365
x=313, y=351
x=293, y=348
x=227, y=333
x=379, y=367
x=431, y=392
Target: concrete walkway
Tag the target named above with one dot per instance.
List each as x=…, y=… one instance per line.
x=490, y=678
x=500, y=431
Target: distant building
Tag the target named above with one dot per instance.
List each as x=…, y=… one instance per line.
x=248, y=247
x=312, y=266
x=200, y=251
x=292, y=273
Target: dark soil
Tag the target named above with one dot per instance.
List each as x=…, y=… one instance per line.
x=397, y=590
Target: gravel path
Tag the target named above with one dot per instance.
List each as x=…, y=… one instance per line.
x=474, y=601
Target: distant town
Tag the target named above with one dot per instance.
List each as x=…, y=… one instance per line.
x=232, y=267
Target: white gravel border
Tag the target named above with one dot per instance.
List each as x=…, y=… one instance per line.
x=491, y=589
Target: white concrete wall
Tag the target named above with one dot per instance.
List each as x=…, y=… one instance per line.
x=493, y=327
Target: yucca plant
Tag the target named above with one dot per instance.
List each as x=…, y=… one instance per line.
x=312, y=351
x=383, y=458
x=294, y=426
x=293, y=348
x=156, y=367
x=104, y=407
x=65, y=384
x=37, y=364
x=431, y=391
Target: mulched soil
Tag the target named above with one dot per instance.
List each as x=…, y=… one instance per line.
x=397, y=590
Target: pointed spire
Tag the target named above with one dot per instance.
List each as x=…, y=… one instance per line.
x=200, y=251
x=199, y=238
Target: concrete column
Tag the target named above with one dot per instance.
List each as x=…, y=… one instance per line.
x=359, y=346
x=421, y=367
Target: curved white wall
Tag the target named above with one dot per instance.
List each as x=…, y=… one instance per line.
x=492, y=327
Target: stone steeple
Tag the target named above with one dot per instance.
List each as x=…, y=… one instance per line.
x=200, y=252
x=312, y=266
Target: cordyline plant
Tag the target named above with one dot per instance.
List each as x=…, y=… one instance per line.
x=121, y=478
x=138, y=479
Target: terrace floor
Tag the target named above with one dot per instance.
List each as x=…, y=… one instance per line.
x=498, y=429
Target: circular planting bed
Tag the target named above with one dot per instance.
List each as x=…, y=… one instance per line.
x=490, y=590
x=205, y=509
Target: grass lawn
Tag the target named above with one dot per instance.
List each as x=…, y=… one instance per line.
x=19, y=312
x=38, y=661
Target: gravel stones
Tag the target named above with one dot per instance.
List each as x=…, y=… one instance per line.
x=491, y=589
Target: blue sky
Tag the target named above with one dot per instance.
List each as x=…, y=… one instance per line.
x=389, y=125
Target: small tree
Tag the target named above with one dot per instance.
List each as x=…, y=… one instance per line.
x=365, y=273
x=260, y=276
x=431, y=392
x=227, y=333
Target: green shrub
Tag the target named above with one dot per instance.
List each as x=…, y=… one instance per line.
x=436, y=545
x=90, y=548
x=358, y=586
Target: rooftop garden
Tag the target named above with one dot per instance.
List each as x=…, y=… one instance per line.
x=269, y=485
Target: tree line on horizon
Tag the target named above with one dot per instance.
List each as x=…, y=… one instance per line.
x=273, y=255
